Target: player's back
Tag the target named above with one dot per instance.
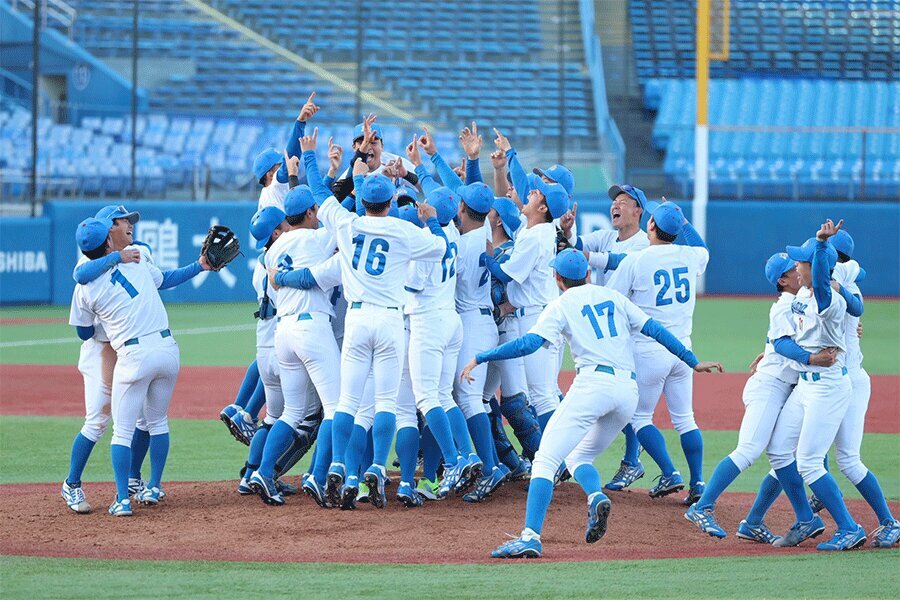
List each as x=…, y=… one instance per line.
x=126, y=300
x=662, y=281
x=781, y=324
x=298, y=249
x=597, y=322
x=472, y=276
x=846, y=274
x=432, y=286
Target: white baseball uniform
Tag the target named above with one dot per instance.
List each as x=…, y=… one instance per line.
x=473, y=304
x=533, y=287
x=598, y=323
x=506, y=375
x=273, y=194
x=266, y=358
x=307, y=353
x=127, y=303
x=435, y=329
x=602, y=242
x=661, y=280
x=374, y=256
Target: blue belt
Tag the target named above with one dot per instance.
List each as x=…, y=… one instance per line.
x=135, y=341
x=360, y=305
x=300, y=317
x=520, y=312
x=606, y=369
x=486, y=311
x=817, y=376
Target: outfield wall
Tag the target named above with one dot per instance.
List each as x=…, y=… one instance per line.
x=37, y=255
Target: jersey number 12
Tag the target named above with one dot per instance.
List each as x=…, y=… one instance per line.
x=593, y=314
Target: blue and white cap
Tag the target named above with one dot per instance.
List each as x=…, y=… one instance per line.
x=264, y=161
x=777, y=265
x=556, y=197
x=669, y=218
x=509, y=215
x=843, y=243
x=92, y=233
x=377, y=189
x=571, y=264
x=477, y=196
x=113, y=212
x=805, y=252
x=264, y=223
x=298, y=200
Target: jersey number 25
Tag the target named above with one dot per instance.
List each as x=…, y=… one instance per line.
x=665, y=281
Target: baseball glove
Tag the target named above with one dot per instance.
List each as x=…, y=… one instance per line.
x=220, y=247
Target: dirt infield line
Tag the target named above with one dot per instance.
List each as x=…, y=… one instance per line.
x=34, y=521
x=201, y=392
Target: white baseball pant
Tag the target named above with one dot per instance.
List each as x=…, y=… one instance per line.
x=540, y=367
x=659, y=371
x=270, y=375
x=435, y=339
x=850, y=433
x=479, y=334
x=406, y=399
x=764, y=396
x=309, y=362
x=96, y=362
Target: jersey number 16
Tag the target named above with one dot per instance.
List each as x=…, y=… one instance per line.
x=377, y=257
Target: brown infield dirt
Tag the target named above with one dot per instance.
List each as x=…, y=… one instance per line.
x=201, y=392
x=210, y=521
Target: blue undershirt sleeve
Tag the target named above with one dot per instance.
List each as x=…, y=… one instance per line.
x=655, y=330
x=84, y=333
x=518, y=175
x=522, y=346
x=579, y=245
x=445, y=172
x=349, y=203
x=292, y=148
x=855, y=306
x=788, y=348
x=426, y=180
x=435, y=227
x=176, y=277
x=473, y=171
x=691, y=237
x=298, y=278
x=320, y=191
x=496, y=270
x=613, y=260
x=821, y=277
x=861, y=276
x=92, y=269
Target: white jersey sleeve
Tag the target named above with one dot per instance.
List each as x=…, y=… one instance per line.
x=328, y=273
x=425, y=246
x=334, y=216
x=552, y=323
x=599, y=241
x=147, y=257
x=80, y=315
x=522, y=261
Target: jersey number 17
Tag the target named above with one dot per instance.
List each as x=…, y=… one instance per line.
x=593, y=314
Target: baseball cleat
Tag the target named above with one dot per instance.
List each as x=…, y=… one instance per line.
x=148, y=496
x=487, y=484
x=667, y=485
x=408, y=496
x=522, y=471
x=162, y=494
x=315, y=491
x=349, y=493
x=886, y=535
x=815, y=504
x=471, y=472
x=598, y=515
x=242, y=426
x=756, y=533
x=694, y=493
x=451, y=478
x=625, y=476
x=74, y=497
x=286, y=489
x=519, y=548
x=266, y=488
x=428, y=489
x=844, y=540
x=243, y=487
x=120, y=508
x=135, y=485
x=801, y=532
x=363, y=494
x=705, y=520
x=228, y=411
x=374, y=478
x=334, y=481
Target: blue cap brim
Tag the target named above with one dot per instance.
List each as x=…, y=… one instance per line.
x=796, y=253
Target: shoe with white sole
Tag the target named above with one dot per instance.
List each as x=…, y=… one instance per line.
x=74, y=497
x=120, y=508
x=149, y=496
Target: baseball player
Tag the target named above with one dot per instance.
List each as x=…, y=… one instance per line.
x=597, y=323
x=660, y=280
x=129, y=307
x=375, y=253
x=764, y=395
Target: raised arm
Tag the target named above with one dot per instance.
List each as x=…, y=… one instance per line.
x=471, y=142
x=445, y=171
x=176, y=277
x=821, y=274
x=662, y=335
x=298, y=129
x=313, y=176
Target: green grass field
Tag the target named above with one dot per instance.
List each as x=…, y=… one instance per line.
x=35, y=449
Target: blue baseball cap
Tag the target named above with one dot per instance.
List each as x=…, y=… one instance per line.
x=377, y=189
x=394, y=210
x=509, y=215
x=805, y=252
x=113, y=212
x=298, y=200
x=358, y=131
x=406, y=193
x=571, y=264
x=556, y=197
x=477, y=196
x=92, y=233
x=558, y=174
x=264, y=161
x=445, y=202
x=410, y=214
x=264, y=223
x=843, y=243
x=777, y=265
x=628, y=190
x=669, y=218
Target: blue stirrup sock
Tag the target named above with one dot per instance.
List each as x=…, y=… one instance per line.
x=588, y=478
x=873, y=494
x=692, y=446
x=254, y=457
x=479, y=426
x=140, y=444
x=652, y=441
x=248, y=385
x=792, y=483
x=356, y=451
x=408, y=452
x=540, y=493
x=81, y=452
x=257, y=400
x=632, y=446
x=826, y=489
x=383, y=437
x=341, y=429
x=159, y=452
x=322, y=456
x=544, y=419
x=439, y=428
x=769, y=490
x=121, y=462
x=460, y=431
x=725, y=473
x=280, y=437
x=431, y=453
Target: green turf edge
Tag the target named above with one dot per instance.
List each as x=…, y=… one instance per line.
x=845, y=575
x=36, y=449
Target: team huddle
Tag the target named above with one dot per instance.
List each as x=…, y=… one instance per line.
x=398, y=311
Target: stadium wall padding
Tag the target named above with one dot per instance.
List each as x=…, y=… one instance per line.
x=37, y=255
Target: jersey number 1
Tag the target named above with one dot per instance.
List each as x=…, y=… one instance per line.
x=377, y=257
x=593, y=313
x=117, y=277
